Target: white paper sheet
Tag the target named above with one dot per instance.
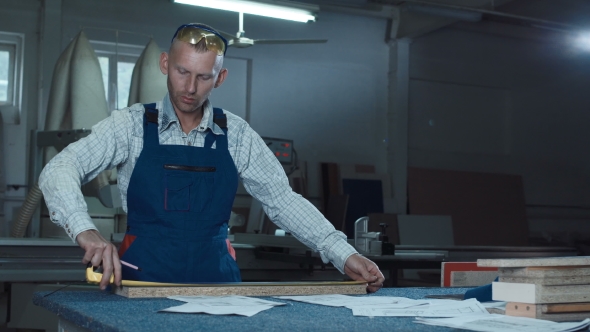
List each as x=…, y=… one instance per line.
x=229, y=300
x=494, y=304
x=191, y=308
x=501, y=323
x=442, y=301
x=454, y=309
x=337, y=300
x=222, y=305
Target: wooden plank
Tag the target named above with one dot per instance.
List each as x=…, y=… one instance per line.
x=548, y=281
x=545, y=272
x=521, y=309
x=134, y=288
x=472, y=278
x=246, y=289
x=329, y=181
x=448, y=267
x=536, y=311
x=545, y=262
x=486, y=208
x=546, y=268
x=336, y=211
x=565, y=307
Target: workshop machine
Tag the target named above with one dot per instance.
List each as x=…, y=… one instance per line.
x=372, y=243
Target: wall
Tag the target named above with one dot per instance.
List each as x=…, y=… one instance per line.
x=21, y=17
x=328, y=98
x=491, y=103
x=477, y=101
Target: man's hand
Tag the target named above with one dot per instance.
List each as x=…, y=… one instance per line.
x=360, y=268
x=100, y=250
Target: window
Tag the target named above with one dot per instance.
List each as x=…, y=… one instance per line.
x=116, y=62
x=7, y=53
x=10, y=74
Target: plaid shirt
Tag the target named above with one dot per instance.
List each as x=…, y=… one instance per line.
x=117, y=142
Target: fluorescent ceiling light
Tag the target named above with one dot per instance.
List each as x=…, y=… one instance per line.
x=583, y=40
x=277, y=9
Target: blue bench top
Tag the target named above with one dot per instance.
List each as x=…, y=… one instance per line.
x=103, y=311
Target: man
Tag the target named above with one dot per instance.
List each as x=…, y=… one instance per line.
x=178, y=164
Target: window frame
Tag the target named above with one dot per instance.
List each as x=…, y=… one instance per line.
x=14, y=44
x=115, y=52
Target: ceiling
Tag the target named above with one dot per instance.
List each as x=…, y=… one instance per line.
x=413, y=18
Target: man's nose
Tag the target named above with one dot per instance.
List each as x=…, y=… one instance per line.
x=191, y=86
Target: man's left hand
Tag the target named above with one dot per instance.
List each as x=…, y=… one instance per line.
x=360, y=268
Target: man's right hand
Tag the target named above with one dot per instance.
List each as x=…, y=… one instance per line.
x=100, y=250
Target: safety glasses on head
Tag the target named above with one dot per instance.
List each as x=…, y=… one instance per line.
x=194, y=33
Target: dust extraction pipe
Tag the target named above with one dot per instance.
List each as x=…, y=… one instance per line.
x=19, y=226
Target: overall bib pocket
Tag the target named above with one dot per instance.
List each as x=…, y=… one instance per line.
x=187, y=188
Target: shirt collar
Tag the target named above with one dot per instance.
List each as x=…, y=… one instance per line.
x=168, y=116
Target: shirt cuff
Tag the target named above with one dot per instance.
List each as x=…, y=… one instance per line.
x=77, y=223
x=338, y=254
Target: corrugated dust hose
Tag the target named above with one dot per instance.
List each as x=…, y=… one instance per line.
x=19, y=226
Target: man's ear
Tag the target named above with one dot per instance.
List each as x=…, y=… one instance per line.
x=221, y=77
x=164, y=63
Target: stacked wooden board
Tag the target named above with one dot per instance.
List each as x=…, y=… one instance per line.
x=466, y=274
x=243, y=289
x=554, y=288
x=133, y=288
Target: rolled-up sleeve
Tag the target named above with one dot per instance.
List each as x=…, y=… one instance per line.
x=264, y=178
x=80, y=162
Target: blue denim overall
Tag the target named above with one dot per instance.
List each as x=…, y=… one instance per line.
x=179, y=202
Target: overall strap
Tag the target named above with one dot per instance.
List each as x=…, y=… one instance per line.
x=221, y=140
x=150, y=124
x=220, y=119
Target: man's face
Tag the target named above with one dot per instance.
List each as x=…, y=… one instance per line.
x=191, y=75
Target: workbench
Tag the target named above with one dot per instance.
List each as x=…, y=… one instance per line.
x=103, y=311
x=406, y=256
x=59, y=260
